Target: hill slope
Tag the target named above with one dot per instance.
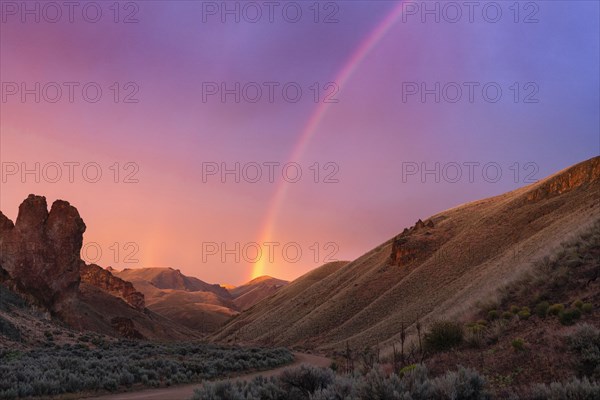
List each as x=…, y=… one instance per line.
x=192, y=302
x=169, y=278
x=248, y=294
x=432, y=270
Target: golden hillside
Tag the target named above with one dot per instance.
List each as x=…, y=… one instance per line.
x=436, y=269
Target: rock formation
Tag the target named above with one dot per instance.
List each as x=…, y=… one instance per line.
x=40, y=252
x=579, y=175
x=106, y=281
x=408, y=245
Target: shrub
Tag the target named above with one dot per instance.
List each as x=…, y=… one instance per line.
x=541, y=309
x=492, y=315
x=577, y=304
x=585, y=341
x=556, y=309
x=494, y=331
x=518, y=344
x=575, y=389
x=306, y=379
x=474, y=335
x=514, y=309
x=443, y=335
x=407, y=369
x=524, y=313
x=55, y=370
x=507, y=315
x=344, y=387
x=464, y=384
x=587, y=308
x=568, y=317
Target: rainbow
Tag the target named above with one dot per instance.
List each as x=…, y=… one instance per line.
x=342, y=77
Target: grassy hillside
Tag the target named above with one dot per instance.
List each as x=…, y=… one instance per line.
x=434, y=270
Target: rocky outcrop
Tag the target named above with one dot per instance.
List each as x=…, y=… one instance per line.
x=41, y=252
x=578, y=175
x=407, y=246
x=106, y=281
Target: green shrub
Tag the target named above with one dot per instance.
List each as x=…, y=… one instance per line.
x=507, y=315
x=568, y=317
x=518, y=344
x=407, y=369
x=492, y=315
x=443, y=335
x=587, y=308
x=524, y=313
x=577, y=304
x=514, y=309
x=556, y=309
x=541, y=309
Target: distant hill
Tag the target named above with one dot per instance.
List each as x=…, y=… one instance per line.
x=248, y=294
x=169, y=278
x=436, y=269
x=192, y=302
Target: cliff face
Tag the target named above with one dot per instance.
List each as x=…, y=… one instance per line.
x=582, y=174
x=40, y=252
x=106, y=281
x=411, y=243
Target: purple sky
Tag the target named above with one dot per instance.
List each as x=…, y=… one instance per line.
x=378, y=129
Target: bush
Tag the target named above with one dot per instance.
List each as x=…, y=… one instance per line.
x=492, y=315
x=577, y=304
x=495, y=331
x=507, y=315
x=518, y=344
x=568, y=317
x=514, y=309
x=464, y=384
x=407, y=369
x=556, y=309
x=306, y=379
x=55, y=370
x=443, y=335
x=587, y=308
x=575, y=389
x=524, y=313
x=585, y=341
x=541, y=309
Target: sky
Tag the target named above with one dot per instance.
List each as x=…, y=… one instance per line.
x=235, y=139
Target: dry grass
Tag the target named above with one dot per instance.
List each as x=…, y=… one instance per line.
x=471, y=251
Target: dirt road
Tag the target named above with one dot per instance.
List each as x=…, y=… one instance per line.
x=187, y=391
